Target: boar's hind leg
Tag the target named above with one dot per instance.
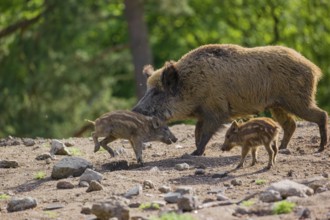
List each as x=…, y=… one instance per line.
x=318, y=116
x=203, y=133
x=104, y=143
x=287, y=123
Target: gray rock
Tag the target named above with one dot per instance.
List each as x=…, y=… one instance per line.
x=220, y=175
x=120, y=151
x=147, y=184
x=182, y=166
x=19, y=204
x=154, y=169
x=44, y=156
x=117, y=209
x=187, y=203
x=164, y=189
x=270, y=196
x=83, y=184
x=236, y=182
x=317, y=183
x=199, y=172
x=305, y=213
x=53, y=206
x=221, y=197
x=86, y=211
x=28, y=142
x=90, y=175
x=289, y=188
x=8, y=164
x=94, y=186
x=172, y=197
x=137, y=190
x=58, y=148
x=64, y=185
x=70, y=166
x=184, y=190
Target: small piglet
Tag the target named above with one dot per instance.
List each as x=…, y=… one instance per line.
x=132, y=126
x=250, y=135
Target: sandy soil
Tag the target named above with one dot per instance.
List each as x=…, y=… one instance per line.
x=302, y=163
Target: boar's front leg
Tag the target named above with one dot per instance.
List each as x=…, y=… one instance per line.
x=104, y=143
x=203, y=132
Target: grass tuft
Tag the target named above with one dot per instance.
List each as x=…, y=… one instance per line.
x=173, y=216
x=40, y=175
x=283, y=207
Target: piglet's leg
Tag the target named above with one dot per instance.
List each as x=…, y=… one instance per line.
x=137, y=147
x=254, y=152
x=104, y=143
x=271, y=155
x=96, y=142
x=245, y=151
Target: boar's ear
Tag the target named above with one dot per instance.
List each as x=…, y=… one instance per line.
x=170, y=78
x=148, y=70
x=234, y=127
x=156, y=123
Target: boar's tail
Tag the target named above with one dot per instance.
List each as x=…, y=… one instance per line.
x=92, y=122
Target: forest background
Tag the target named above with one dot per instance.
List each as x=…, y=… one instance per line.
x=65, y=61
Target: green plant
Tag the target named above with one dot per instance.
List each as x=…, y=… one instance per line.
x=283, y=207
x=248, y=203
x=40, y=175
x=149, y=205
x=51, y=214
x=260, y=181
x=173, y=216
x=75, y=151
x=4, y=196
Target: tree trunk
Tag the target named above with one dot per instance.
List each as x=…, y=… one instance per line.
x=139, y=44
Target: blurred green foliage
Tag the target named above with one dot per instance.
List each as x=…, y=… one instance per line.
x=73, y=62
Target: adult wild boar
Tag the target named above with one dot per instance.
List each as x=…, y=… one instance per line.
x=218, y=83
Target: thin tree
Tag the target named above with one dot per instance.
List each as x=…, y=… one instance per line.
x=139, y=44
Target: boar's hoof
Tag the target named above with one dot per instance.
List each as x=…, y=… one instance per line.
x=320, y=149
x=97, y=148
x=111, y=152
x=197, y=153
x=283, y=147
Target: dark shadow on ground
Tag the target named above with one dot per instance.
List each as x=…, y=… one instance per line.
x=30, y=185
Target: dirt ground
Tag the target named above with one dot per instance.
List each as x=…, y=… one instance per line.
x=302, y=163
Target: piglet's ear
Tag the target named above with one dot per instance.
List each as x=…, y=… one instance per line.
x=148, y=70
x=170, y=78
x=234, y=127
x=156, y=123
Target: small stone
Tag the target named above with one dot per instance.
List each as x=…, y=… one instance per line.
x=28, y=142
x=154, y=169
x=137, y=190
x=120, y=151
x=64, y=185
x=20, y=204
x=172, y=197
x=44, y=156
x=325, y=175
x=289, y=188
x=111, y=209
x=187, y=203
x=48, y=161
x=182, y=166
x=83, y=184
x=164, y=189
x=58, y=148
x=220, y=175
x=290, y=173
x=306, y=214
x=184, y=190
x=221, y=197
x=270, y=196
x=86, y=211
x=68, y=144
x=8, y=164
x=94, y=186
x=321, y=189
x=199, y=172
x=147, y=184
x=53, y=206
x=236, y=182
x=178, y=146
x=90, y=175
